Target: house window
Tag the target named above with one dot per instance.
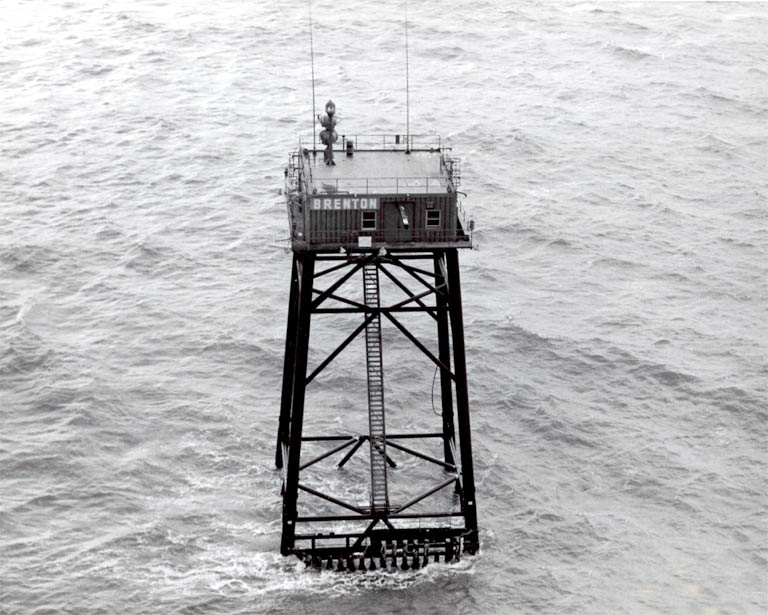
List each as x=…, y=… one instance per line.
x=433, y=218
x=369, y=220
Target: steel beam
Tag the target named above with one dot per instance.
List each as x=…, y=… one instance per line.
x=416, y=342
x=338, y=350
x=288, y=364
x=305, y=265
x=444, y=353
x=471, y=542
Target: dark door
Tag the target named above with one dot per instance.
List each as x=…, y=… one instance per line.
x=398, y=220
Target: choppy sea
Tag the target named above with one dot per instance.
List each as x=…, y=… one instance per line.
x=615, y=157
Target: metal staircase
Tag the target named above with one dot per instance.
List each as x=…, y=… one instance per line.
x=379, y=493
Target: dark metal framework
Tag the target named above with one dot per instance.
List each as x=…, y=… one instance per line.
x=384, y=534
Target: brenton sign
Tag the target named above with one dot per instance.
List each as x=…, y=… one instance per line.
x=345, y=203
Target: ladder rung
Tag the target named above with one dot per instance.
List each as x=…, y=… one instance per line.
x=379, y=496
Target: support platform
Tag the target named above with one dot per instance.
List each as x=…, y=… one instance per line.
x=321, y=523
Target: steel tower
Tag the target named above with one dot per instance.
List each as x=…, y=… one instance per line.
x=379, y=213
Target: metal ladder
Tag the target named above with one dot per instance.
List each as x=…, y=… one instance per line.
x=379, y=493
x=453, y=166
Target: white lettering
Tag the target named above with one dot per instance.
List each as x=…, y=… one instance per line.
x=344, y=203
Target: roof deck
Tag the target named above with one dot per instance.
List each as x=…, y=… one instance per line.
x=378, y=172
x=378, y=193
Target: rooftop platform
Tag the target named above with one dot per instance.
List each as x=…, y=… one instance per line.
x=386, y=194
x=390, y=171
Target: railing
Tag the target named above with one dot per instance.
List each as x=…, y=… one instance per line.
x=384, y=185
x=299, y=170
x=453, y=168
x=393, y=142
x=431, y=143
x=351, y=238
x=464, y=221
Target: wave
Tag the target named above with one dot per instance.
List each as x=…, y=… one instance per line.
x=630, y=53
x=735, y=104
x=716, y=145
x=616, y=263
x=28, y=258
x=24, y=353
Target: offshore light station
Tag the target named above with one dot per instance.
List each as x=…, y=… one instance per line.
x=375, y=228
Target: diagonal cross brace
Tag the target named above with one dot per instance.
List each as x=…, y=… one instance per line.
x=420, y=346
x=427, y=308
x=341, y=347
x=331, y=499
x=325, y=294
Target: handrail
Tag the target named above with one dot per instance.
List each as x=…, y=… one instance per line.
x=396, y=185
x=349, y=238
x=397, y=142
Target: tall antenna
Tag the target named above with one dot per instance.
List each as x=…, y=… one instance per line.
x=407, y=89
x=312, y=56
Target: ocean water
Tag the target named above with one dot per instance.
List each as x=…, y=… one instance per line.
x=615, y=157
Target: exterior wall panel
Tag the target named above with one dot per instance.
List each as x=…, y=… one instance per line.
x=338, y=218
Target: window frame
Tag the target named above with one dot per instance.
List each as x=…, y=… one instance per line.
x=372, y=219
x=434, y=224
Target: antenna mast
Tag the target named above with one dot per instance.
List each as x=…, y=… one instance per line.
x=312, y=59
x=407, y=89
